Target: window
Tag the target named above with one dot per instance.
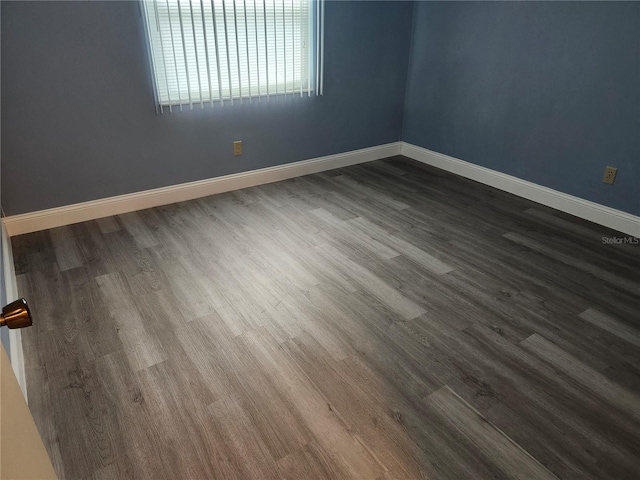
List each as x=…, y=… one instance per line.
x=206, y=51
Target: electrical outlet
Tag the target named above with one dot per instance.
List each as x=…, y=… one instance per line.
x=237, y=148
x=610, y=175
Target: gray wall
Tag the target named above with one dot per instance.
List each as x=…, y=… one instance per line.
x=77, y=109
x=548, y=92
x=4, y=334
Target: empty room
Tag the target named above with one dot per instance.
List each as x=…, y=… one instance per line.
x=320, y=239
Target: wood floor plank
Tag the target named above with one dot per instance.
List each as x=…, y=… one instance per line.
x=510, y=458
x=593, y=381
x=90, y=313
x=140, y=345
x=43, y=403
x=275, y=418
x=366, y=416
x=86, y=425
x=143, y=446
x=361, y=276
x=625, y=331
x=311, y=462
x=64, y=244
x=365, y=241
x=419, y=256
x=327, y=424
x=252, y=453
x=141, y=233
x=168, y=394
x=368, y=192
x=381, y=321
x=108, y=224
x=513, y=387
x=614, y=279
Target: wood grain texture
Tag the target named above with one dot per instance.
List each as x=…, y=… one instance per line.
x=464, y=420
x=381, y=321
x=618, y=328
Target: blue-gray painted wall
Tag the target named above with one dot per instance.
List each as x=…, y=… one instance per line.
x=78, y=119
x=546, y=91
x=4, y=334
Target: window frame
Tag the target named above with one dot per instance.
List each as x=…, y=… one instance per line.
x=225, y=83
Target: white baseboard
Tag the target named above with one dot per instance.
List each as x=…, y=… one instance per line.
x=81, y=212
x=11, y=291
x=594, y=212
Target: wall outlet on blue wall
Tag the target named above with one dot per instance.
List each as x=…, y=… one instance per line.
x=610, y=175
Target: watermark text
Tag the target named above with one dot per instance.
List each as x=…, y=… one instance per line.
x=620, y=240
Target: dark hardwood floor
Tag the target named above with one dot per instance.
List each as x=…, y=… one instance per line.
x=382, y=321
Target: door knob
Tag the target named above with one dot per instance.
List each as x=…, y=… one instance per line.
x=16, y=315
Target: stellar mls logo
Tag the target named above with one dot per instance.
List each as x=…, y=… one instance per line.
x=620, y=240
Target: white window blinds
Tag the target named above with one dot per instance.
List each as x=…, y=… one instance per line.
x=206, y=51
